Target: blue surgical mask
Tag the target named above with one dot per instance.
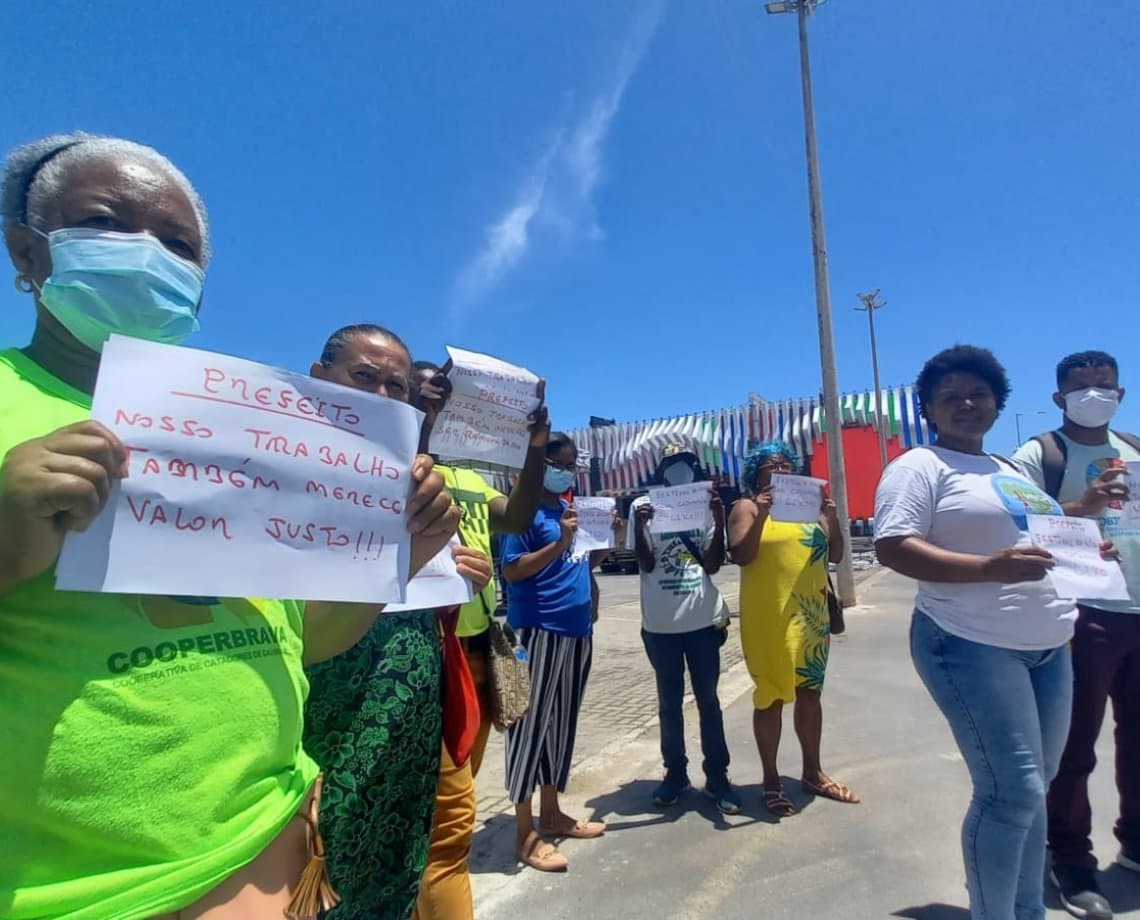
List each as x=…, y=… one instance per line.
x=103, y=282
x=556, y=480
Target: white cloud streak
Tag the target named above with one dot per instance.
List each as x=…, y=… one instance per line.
x=558, y=191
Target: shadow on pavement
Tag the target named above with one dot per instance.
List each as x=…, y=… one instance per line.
x=493, y=848
x=630, y=807
x=1122, y=888
x=933, y=912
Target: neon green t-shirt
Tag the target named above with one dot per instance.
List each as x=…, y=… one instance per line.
x=470, y=491
x=150, y=747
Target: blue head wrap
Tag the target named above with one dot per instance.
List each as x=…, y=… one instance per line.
x=762, y=452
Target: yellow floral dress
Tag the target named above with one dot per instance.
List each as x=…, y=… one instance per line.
x=784, y=625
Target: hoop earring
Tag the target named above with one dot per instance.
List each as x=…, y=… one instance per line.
x=24, y=284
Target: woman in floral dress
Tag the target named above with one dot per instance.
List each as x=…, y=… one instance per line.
x=784, y=627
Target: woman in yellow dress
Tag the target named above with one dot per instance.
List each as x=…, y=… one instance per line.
x=784, y=626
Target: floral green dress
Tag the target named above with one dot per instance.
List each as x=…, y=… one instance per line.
x=373, y=721
x=784, y=624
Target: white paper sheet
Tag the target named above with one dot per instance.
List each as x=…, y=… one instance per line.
x=437, y=584
x=246, y=481
x=485, y=419
x=680, y=508
x=1080, y=572
x=595, y=524
x=796, y=499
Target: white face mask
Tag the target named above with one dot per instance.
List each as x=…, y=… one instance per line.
x=1092, y=407
x=678, y=474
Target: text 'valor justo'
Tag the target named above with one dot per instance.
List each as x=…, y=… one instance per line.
x=364, y=544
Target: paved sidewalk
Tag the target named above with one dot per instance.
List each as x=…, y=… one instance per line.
x=621, y=697
x=620, y=707
x=895, y=856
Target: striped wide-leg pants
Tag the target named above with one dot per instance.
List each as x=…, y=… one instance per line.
x=540, y=746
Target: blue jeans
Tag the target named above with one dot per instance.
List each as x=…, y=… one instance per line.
x=668, y=653
x=1009, y=712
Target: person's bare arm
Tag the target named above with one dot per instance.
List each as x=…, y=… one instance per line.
x=746, y=524
x=1107, y=487
x=829, y=521
x=530, y=564
x=515, y=513
x=916, y=558
x=714, y=556
x=642, y=515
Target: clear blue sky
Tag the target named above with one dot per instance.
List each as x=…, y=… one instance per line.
x=613, y=194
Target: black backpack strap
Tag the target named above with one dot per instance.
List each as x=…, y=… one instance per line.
x=1054, y=458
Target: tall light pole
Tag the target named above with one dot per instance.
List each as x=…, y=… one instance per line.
x=871, y=303
x=837, y=467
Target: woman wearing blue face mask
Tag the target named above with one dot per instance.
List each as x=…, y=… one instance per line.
x=551, y=602
x=151, y=772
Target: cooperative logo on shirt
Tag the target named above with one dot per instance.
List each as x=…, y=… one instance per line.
x=1021, y=498
x=676, y=559
x=193, y=653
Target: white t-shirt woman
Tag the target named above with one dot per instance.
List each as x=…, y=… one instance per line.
x=974, y=503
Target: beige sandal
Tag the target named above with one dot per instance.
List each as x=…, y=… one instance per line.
x=582, y=830
x=544, y=857
x=832, y=789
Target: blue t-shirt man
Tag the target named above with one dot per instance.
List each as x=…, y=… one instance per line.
x=556, y=598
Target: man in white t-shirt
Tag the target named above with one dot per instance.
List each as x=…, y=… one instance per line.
x=1083, y=465
x=684, y=621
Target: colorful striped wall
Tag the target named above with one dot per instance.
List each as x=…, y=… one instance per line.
x=628, y=452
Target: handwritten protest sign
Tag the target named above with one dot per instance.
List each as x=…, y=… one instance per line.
x=1130, y=515
x=595, y=524
x=245, y=481
x=1080, y=572
x=680, y=508
x=437, y=584
x=796, y=499
x=486, y=417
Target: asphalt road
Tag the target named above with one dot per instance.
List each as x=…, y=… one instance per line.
x=895, y=855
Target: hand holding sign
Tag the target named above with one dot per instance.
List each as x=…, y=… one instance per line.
x=251, y=481
x=680, y=508
x=796, y=499
x=569, y=524
x=1110, y=486
x=596, y=520
x=1080, y=570
x=494, y=413
x=54, y=485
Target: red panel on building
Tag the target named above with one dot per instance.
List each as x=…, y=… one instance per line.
x=861, y=453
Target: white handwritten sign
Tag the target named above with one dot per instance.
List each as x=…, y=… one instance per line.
x=1080, y=572
x=595, y=524
x=1130, y=515
x=796, y=499
x=246, y=481
x=437, y=584
x=486, y=416
x=680, y=508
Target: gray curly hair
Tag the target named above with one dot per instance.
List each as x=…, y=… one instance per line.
x=34, y=175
